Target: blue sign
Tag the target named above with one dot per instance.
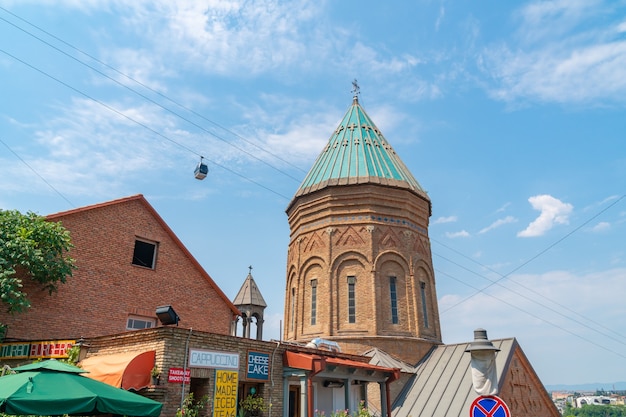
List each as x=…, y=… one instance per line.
x=258, y=366
x=489, y=406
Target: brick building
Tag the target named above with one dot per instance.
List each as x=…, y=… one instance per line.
x=359, y=277
x=134, y=277
x=360, y=274
x=129, y=263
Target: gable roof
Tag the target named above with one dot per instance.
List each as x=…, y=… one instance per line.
x=358, y=153
x=141, y=199
x=442, y=385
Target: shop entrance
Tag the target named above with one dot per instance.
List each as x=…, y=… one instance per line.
x=294, y=400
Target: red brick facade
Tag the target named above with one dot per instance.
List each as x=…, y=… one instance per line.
x=107, y=288
x=365, y=236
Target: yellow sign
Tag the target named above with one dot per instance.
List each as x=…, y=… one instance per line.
x=225, y=398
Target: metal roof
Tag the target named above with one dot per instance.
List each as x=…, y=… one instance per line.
x=249, y=294
x=382, y=358
x=442, y=385
x=358, y=153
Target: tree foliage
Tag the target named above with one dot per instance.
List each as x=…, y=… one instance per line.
x=596, y=411
x=31, y=248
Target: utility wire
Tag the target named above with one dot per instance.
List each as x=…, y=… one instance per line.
x=279, y=158
x=114, y=110
x=538, y=317
x=149, y=99
x=36, y=173
x=546, y=306
x=542, y=252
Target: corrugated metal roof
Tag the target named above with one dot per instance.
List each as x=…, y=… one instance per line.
x=442, y=386
x=249, y=294
x=358, y=153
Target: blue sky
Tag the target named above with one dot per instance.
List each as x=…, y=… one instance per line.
x=510, y=114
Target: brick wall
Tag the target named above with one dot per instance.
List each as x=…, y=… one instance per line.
x=171, y=345
x=523, y=391
x=106, y=288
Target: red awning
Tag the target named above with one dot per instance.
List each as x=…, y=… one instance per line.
x=125, y=370
x=318, y=363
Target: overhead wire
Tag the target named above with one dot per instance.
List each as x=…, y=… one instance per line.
x=37, y=173
x=140, y=123
x=479, y=290
x=578, y=335
x=150, y=99
x=539, y=254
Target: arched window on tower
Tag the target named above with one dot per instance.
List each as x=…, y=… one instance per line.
x=424, y=306
x=293, y=309
x=393, y=297
x=351, y=299
x=313, y=301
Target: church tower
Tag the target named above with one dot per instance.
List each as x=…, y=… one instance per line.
x=359, y=265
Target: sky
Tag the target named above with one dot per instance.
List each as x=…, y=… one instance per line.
x=511, y=115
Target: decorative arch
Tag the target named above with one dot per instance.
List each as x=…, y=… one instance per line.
x=394, y=290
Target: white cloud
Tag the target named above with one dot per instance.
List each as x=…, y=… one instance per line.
x=601, y=227
x=543, y=319
x=448, y=219
x=553, y=211
x=498, y=223
x=553, y=60
x=454, y=235
x=503, y=208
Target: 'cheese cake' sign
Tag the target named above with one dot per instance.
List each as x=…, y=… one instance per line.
x=258, y=366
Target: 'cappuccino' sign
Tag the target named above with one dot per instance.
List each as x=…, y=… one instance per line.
x=210, y=359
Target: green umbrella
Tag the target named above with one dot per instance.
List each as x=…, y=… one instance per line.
x=54, y=388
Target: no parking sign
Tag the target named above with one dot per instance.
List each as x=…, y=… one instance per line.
x=489, y=406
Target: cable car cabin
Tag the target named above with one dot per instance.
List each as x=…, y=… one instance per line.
x=201, y=170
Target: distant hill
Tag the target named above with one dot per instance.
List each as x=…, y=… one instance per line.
x=606, y=386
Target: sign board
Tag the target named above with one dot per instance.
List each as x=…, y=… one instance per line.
x=175, y=375
x=225, y=398
x=489, y=406
x=44, y=349
x=199, y=358
x=258, y=366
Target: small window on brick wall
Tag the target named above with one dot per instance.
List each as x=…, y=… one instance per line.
x=145, y=253
x=351, y=300
x=393, y=296
x=138, y=323
x=313, y=301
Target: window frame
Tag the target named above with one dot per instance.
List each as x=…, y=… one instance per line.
x=149, y=321
x=393, y=299
x=424, y=303
x=313, y=302
x=351, y=299
x=138, y=258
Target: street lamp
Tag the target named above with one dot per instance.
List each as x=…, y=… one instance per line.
x=483, y=363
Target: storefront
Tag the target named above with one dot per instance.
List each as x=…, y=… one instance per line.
x=273, y=379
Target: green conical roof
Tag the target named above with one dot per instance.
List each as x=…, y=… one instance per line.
x=358, y=153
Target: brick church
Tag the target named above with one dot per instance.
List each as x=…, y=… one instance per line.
x=359, y=267
x=360, y=276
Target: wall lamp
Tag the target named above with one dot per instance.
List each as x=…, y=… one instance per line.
x=167, y=315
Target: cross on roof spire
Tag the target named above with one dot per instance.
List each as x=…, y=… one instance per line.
x=356, y=90
x=250, y=268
